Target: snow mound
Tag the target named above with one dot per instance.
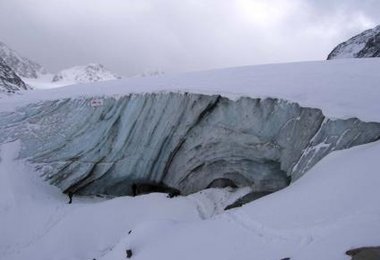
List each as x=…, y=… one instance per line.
x=92, y=72
x=363, y=45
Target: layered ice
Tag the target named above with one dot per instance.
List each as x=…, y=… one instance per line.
x=183, y=140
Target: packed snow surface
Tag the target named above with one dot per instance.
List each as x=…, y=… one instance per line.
x=341, y=88
x=330, y=210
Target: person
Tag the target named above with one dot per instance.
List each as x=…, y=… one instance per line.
x=70, y=194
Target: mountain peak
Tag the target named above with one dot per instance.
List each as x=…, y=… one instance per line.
x=20, y=65
x=363, y=45
x=91, y=72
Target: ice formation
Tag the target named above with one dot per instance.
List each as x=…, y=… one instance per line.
x=186, y=141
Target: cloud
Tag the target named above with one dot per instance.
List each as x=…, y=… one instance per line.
x=130, y=36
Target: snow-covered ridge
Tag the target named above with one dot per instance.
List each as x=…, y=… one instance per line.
x=92, y=72
x=22, y=66
x=38, y=77
x=341, y=88
x=363, y=45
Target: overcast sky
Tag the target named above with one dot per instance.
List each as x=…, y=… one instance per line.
x=131, y=36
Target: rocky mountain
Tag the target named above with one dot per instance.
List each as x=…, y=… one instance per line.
x=9, y=81
x=83, y=74
x=22, y=66
x=363, y=45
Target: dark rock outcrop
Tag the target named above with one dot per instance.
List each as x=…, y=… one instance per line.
x=9, y=82
x=364, y=253
x=247, y=198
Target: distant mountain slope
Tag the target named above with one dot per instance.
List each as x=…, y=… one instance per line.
x=22, y=66
x=149, y=73
x=363, y=45
x=9, y=81
x=83, y=74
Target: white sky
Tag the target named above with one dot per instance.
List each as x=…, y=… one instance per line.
x=132, y=36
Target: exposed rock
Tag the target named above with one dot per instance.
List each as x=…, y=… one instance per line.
x=364, y=253
x=83, y=74
x=9, y=81
x=363, y=45
x=247, y=198
x=185, y=141
x=129, y=253
x=22, y=66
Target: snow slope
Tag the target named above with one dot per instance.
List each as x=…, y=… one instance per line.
x=341, y=88
x=45, y=82
x=330, y=210
x=37, y=223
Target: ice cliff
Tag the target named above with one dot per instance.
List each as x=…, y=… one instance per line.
x=184, y=140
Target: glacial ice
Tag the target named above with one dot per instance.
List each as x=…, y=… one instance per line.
x=185, y=141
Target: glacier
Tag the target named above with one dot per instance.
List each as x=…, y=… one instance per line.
x=103, y=145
